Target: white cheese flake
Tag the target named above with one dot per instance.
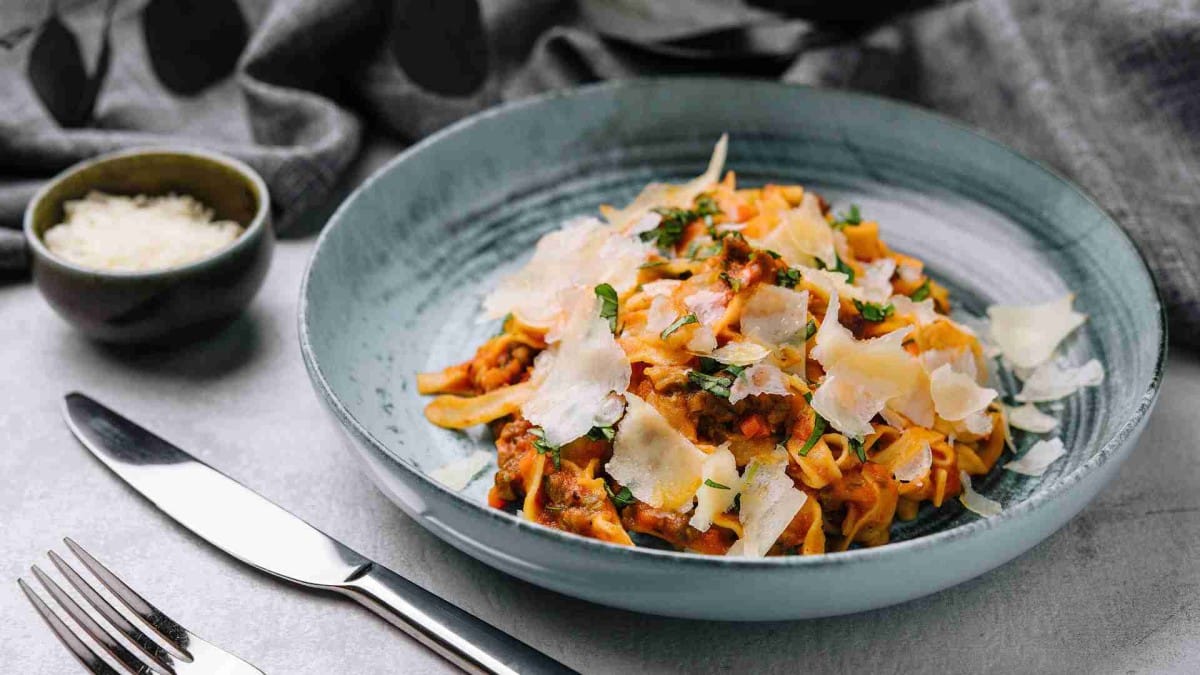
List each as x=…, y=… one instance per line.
x=763, y=378
x=774, y=316
x=1038, y=458
x=660, y=315
x=922, y=311
x=708, y=306
x=769, y=501
x=588, y=365
x=957, y=396
x=458, y=474
x=876, y=280
x=739, y=353
x=1030, y=418
x=660, y=287
x=667, y=195
x=583, y=253
x=803, y=235
x=976, y=502
x=658, y=464
x=703, y=341
x=720, y=487
x=914, y=466
x=1050, y=382
x=1028, y=335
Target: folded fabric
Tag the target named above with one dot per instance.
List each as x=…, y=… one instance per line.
x=1106, y=93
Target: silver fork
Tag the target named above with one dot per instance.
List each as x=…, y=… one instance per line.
x=181, y=651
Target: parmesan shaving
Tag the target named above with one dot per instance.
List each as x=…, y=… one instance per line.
x=660, y=315
x=739, y=353
x=956, y=396
x=761, y=379
x=876, y=280
x=584, y=252
x=976, y=502
x=803, y=235
x=458, y=474
x=1038, y=458
x=720, y=468
x=922, y=311
x=650, y=457
x=703, y=341
x=769, y=502
x=862, y=376
x=1050, y=382
x=588, y=365
x=660, y=287
x=1029, y=418
x=775, y=316
x=915, y=466
x=663, y=194
x=708, y=306
x=1028, y=335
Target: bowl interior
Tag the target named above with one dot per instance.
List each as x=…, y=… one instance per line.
x=395, y=284
x=218, y=184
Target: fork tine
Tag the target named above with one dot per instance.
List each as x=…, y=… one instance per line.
x=148, y=647
x=88, y=624
x=166, y=628
x=78, y=649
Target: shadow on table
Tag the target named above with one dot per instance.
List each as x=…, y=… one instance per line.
x=208, y=356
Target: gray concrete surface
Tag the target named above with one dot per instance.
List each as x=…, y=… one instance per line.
x=1117, y=590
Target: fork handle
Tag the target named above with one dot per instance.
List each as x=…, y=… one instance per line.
x=470, y=643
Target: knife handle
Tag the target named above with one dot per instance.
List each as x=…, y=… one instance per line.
x=472, y=644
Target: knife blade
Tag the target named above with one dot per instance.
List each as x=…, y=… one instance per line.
x=256, y=531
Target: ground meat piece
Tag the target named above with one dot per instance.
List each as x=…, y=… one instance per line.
x=513, y=441
x=499, y=362
x=672, y=527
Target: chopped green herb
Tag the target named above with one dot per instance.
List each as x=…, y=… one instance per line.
x=602, y=433
x=504, y=324
x=773, y=254
x=922, y=292
x=840, y=267
x=717, y=385
x=542, y=447
x=873, y=311
x=608, y=305
x=857, y=447
x=851, y=217
x=674, y=221
x=737, y=503
x=709, y=365
x=734, y=370
x=619, y=499
x=788, y=278
x=733, y=282
x=810, y=329
x=714, y=484
x=818, y=431
x=677, y=324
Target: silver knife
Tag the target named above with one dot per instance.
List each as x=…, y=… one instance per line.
x=252, y=529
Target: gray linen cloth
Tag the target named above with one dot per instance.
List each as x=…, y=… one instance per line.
x=1105, y=91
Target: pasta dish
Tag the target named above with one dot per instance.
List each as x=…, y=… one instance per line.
x=745, y=371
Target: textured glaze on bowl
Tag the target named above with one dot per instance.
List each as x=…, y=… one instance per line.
x=156, y=306
x=395, y=283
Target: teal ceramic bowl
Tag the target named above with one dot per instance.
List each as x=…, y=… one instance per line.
x=159, y=306
x=394, y=286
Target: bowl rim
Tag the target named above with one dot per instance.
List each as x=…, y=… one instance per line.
x=1113, y=448
x=252, y=231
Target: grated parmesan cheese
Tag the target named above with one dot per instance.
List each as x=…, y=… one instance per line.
x=137, y=234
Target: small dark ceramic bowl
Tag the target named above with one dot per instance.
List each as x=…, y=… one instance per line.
x=160, y=306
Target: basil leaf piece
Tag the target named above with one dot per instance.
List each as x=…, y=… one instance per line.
x=818, y=431
x=922, y=292
x=714, y=484
x=714, y=384
x=874, y=312
x=677, y=324
x=608, y=305
x=619, y=499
